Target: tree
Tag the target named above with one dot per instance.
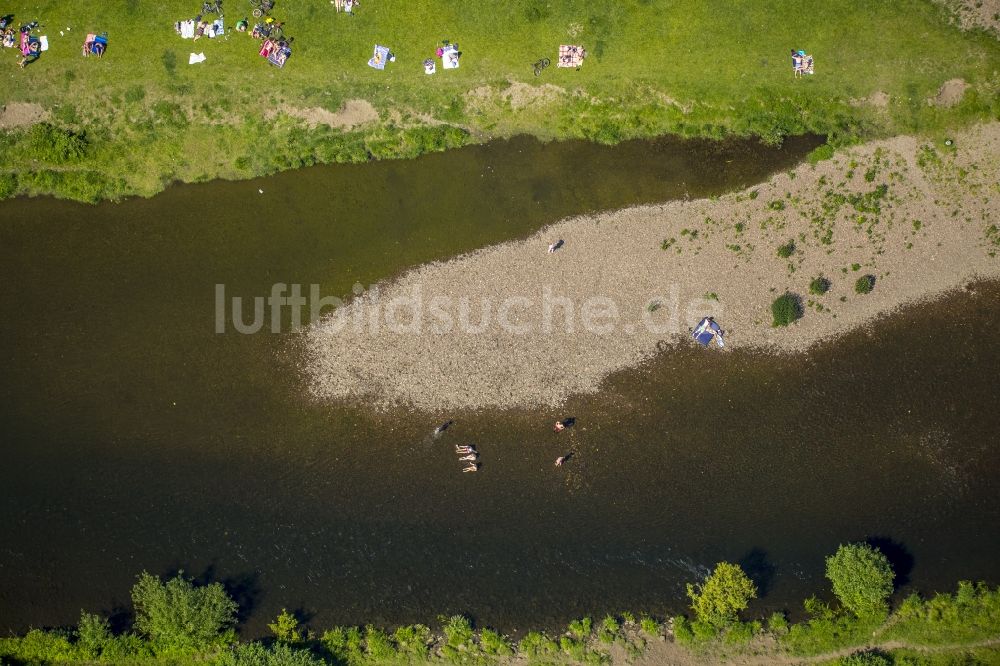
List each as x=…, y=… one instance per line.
x=178, y=616
x=93, y=633
x=862, y=579
x=726, y=592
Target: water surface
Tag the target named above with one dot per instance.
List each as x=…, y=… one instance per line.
x=135, y=438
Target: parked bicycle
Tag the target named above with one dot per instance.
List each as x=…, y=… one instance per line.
x=214, y=7
x=261, y=7
x=540, y=65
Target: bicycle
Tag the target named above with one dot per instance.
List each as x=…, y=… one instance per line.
x=261, y=7
x=540, y=65
x=212, y=7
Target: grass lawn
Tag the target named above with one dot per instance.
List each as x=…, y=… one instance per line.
x=689, y=67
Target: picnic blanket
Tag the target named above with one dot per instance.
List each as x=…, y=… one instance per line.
x=195, y=58
x=379, y=58
x=571, y=56
x=279, y=56
x=215, y=29
x=449, y=58
x=44, y=41
x=429, y=66
x=187, y=29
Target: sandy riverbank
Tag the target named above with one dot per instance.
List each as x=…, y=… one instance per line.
x=516, y=326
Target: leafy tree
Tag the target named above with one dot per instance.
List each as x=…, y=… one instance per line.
x=726, y=592
x=286, y=628
x=178, y=616
x=862, y=579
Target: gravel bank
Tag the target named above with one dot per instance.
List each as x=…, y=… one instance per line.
x=514, y=325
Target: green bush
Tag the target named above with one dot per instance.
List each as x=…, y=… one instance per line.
x=54, y=145
x=864, y=284
x=786, y=250
x=819, y=286
x=413, y=640
x=785, y=309
x=862, y=579
x=256, y=654
x=649, y=625
x=683, y=632
x=93, y=633
x=495, y=644
x=971, y=614
x=537, y=644
x=179, y=617
x=286, y=628
x=581, y=628
x=820, y=153
x=866, y=658
x=777, y=623
x=724, y=593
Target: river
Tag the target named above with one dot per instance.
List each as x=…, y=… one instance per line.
x=136, y=437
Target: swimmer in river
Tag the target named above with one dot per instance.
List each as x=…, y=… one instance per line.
x=441, y=428
x=473, y=467
x=560, y=460
x=471, y=456
x=465, y=449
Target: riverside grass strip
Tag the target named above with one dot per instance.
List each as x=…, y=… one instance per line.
x=686, y=67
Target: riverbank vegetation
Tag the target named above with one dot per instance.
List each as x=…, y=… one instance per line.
x=176, y=621
x=141, y=117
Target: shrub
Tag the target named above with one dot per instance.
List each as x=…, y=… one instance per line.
x=819, y=286
x=820, y=153
x=785, y=309
x=178, y=616
x=47, y=143
x=649, y=625
x=862, y=579
x=581, y=628
x=786, y=250
x=286, y=628
x=682, y=630
x=536, y=644
x=777, y=204
x=378, y=646
x=778, y=623
x=864, y=284
x=495, y=644
x=8, y=185
x=256, y=654
x=865, y=658
x=93, y=633
x=725, y=592
x=412, y=640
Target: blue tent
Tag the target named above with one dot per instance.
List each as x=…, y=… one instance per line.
x=706, y=331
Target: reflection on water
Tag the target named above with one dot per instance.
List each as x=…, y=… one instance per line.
x=135, y=438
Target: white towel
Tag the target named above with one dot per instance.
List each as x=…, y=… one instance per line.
x=196, y=57
x=187, y=29
x=44, y=42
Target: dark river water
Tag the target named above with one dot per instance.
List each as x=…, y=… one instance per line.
x=134, y=437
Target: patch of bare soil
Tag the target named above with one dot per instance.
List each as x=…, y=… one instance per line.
x=950, y=93
x=971, y=14
x=21, y=114
x=354, y=113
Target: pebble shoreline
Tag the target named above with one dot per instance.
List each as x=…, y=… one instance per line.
x=629, y=284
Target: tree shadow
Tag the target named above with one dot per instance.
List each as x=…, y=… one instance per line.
x=899, y=557
x=759, y=569
x=243, y=588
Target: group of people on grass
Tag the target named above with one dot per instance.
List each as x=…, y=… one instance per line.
x=802, y=63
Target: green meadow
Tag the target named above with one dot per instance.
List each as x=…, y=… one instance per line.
x=141, y=117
